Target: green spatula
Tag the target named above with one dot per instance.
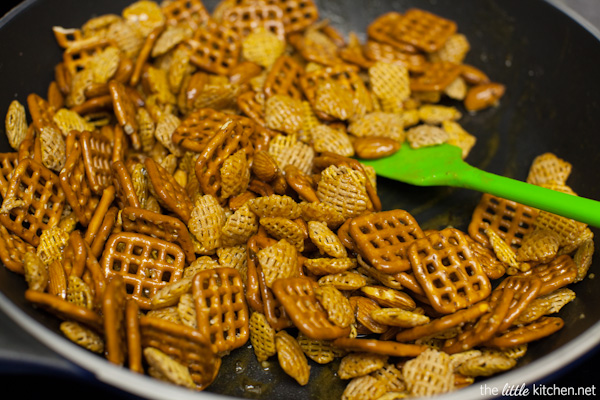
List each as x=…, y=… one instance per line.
x=442, y=165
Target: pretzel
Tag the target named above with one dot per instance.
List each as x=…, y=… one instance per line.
x=64, y=309
x=42, y=199
x=226, y=142
x=251, y=104
x=535, y=330
x=113, y=310
x=507, y=218
x=214, y=48
x=381, y=29
x=436, y=76
x=74, y=183
x=160, y=226
x=284, y=78
x=297, y=15
x=524, y=290
x=167, y=191
x=221, y=308
x=124, y=107
x=184, y=344
x=314, y=45
x=8, y=162
x=492, y=266
x=198, y=127
x=381, y=347
x=423, y=30
x=146, y=264
x=97, y=222
x=382, y=238
x=448, y=271
x=192, y=12
x=554, y=275
x=298, y=298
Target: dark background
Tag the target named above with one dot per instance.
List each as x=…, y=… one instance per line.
x=34, y=382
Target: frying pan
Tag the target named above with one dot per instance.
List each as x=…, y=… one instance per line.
x=547, y=61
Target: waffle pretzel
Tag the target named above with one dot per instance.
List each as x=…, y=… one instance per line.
x=146, y=264
x=448, y=271
x=185, y=345
x=192, y=12
x=42, y=201
x=160, y=226
x=298, y=298
x=243, y=19
x=221, y=308
x=284, y=78
x=381, y=29
x=423, y=30
x=382, y=238
x=214, y=48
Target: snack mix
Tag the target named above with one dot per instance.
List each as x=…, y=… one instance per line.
x=191, y=183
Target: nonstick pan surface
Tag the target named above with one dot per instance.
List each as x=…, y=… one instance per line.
x=548, y=63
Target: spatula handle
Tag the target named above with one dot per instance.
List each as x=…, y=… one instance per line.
x=575, y=207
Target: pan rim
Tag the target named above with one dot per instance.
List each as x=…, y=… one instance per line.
x=551, y=365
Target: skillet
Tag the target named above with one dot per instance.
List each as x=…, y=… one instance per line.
x=547, y=62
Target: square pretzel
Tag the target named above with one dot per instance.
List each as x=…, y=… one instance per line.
x=145, y=263
x=436, y=76
x=297, y=14
x=424, y=30
x=301, y=305
x=8, y=162
x=284, y=78
x=244, y=19
x=509, y=219
x=215, y=48
x=43, y=201
x=221, y=308
x=192, y=12
x=382, y=239
x=448, y=271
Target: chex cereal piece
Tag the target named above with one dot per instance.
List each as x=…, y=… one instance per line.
x=382, y=238
x=274, y=206
x=435, y=114
x=169, y=38
x=449, y=273
x=322, y=212
x=444, y=323
x=388, y=297
x=167, y=191
x=206, y=222
x=235, y=174
x=329, y=266
x=326, y=240
x=360, y=364
x=535, y=330
x=53, y=148
x=298, y=298
x=262, y=336
x=320, y=351
x=35, y=271
x=429, y=373
x=83, y=336
x=185, y=345
x=314, y=45
x=239, y=226
x=65, y=310
x=548, y=167
x=163, y=132
x=41, y=199
x=541, y=245
x=235, y=257
x=170, y=294
x=221, y=308
x=215, y=48
x=364, y=387
x=52, y=243
x=262, y=47
x=113, y=310
x=435, y=77
x=382, y=347
x=507, y=218
x=165, y=368
x=582, y=257
x=146, y=264
x=344, y=188
x=283, y=113
x=284, y=228
x=228, y=140
x=291, y=357
x=8, y=162
x=326, y=138
x=68, y=120
x=389, y=81
x=345, y=280
x=398, y=317
x=278, y=261
x=13, y=251
x=454, y=49
x=458, y=136
x=333, y=99
x=338, y=308
x=425, y=135
x=567, y=229
x=486, y=364
x=289, y=150
x=16, y=124
x=545, y=305
x=504, y=252
x=378, y=124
